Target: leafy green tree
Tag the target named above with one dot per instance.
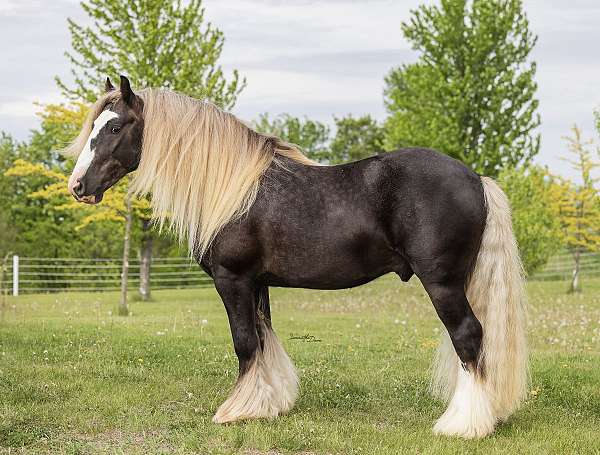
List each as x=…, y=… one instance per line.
x=356, y=138
x=579, y=204
x=36, y=226
x=7, y=229
x=156, y=43
x=310, y=135
x=471, y=94
x=535, y=220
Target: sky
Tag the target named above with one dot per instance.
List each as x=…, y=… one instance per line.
x=314, y=58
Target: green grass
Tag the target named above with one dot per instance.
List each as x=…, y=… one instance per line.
x=77, y=378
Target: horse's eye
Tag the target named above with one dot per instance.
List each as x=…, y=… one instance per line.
x=115, y=129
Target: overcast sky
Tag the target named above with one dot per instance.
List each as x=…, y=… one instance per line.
x=314, y=58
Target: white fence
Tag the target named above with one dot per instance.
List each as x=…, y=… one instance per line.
x=35, y=275
x=561, y=267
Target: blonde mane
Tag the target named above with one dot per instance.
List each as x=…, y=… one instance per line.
x=201, y=165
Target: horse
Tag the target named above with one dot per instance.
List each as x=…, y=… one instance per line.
x=257, y=213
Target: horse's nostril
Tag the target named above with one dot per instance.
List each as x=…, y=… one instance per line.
x=78, y=189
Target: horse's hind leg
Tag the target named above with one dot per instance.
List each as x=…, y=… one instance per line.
x=267, y=384
x=470, y=411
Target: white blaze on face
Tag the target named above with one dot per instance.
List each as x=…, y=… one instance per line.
x=87, y=154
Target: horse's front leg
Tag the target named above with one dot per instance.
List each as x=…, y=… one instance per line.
x=267, y=382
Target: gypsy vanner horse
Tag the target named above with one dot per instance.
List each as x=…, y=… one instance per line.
x=258, y=213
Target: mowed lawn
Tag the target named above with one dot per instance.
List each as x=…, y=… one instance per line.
x=77, y=378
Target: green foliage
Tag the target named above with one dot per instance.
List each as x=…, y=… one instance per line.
x=7, y=228
x=155, y=43
x=310, y=135
x=535, y=221
x=36, y=226
x=579, y=206
x=356, y=138
x=472, y=92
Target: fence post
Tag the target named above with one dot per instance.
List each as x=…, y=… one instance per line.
x=15, y=275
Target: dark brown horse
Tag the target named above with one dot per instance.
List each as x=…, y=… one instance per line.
x=257, y=213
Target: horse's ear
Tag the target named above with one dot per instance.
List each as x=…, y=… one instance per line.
x=127, y=94
x=108, y=87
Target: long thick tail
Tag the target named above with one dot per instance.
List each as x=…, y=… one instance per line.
x=496, y=294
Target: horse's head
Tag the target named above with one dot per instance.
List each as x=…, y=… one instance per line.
x=113, y=148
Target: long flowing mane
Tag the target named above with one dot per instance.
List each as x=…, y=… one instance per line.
x=201, y=165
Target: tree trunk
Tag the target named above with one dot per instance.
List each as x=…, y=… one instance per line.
x=145, y=260
x=575, y=287
x=123, y=308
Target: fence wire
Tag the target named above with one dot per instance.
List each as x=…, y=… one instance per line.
x=36, y=274
x=104, y=274
x=561, y=267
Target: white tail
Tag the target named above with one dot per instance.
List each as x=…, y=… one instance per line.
x=496, y=295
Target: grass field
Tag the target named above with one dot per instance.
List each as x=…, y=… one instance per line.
x=77, y=378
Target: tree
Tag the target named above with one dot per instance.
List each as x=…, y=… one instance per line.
x=356, y=138
x=7, y=230
x=534, y=214
x=123, y=307
x=579, y=205
x=156, y=43
x=33, y=227
x=310, y=135
x=471, y=94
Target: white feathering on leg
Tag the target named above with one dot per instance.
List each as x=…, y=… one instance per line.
x=470, y=413
x=268, y=388
x=253, y=396
x=283, y=372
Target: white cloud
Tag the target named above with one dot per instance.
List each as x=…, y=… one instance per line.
x=28, y=107
x=314, y=58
